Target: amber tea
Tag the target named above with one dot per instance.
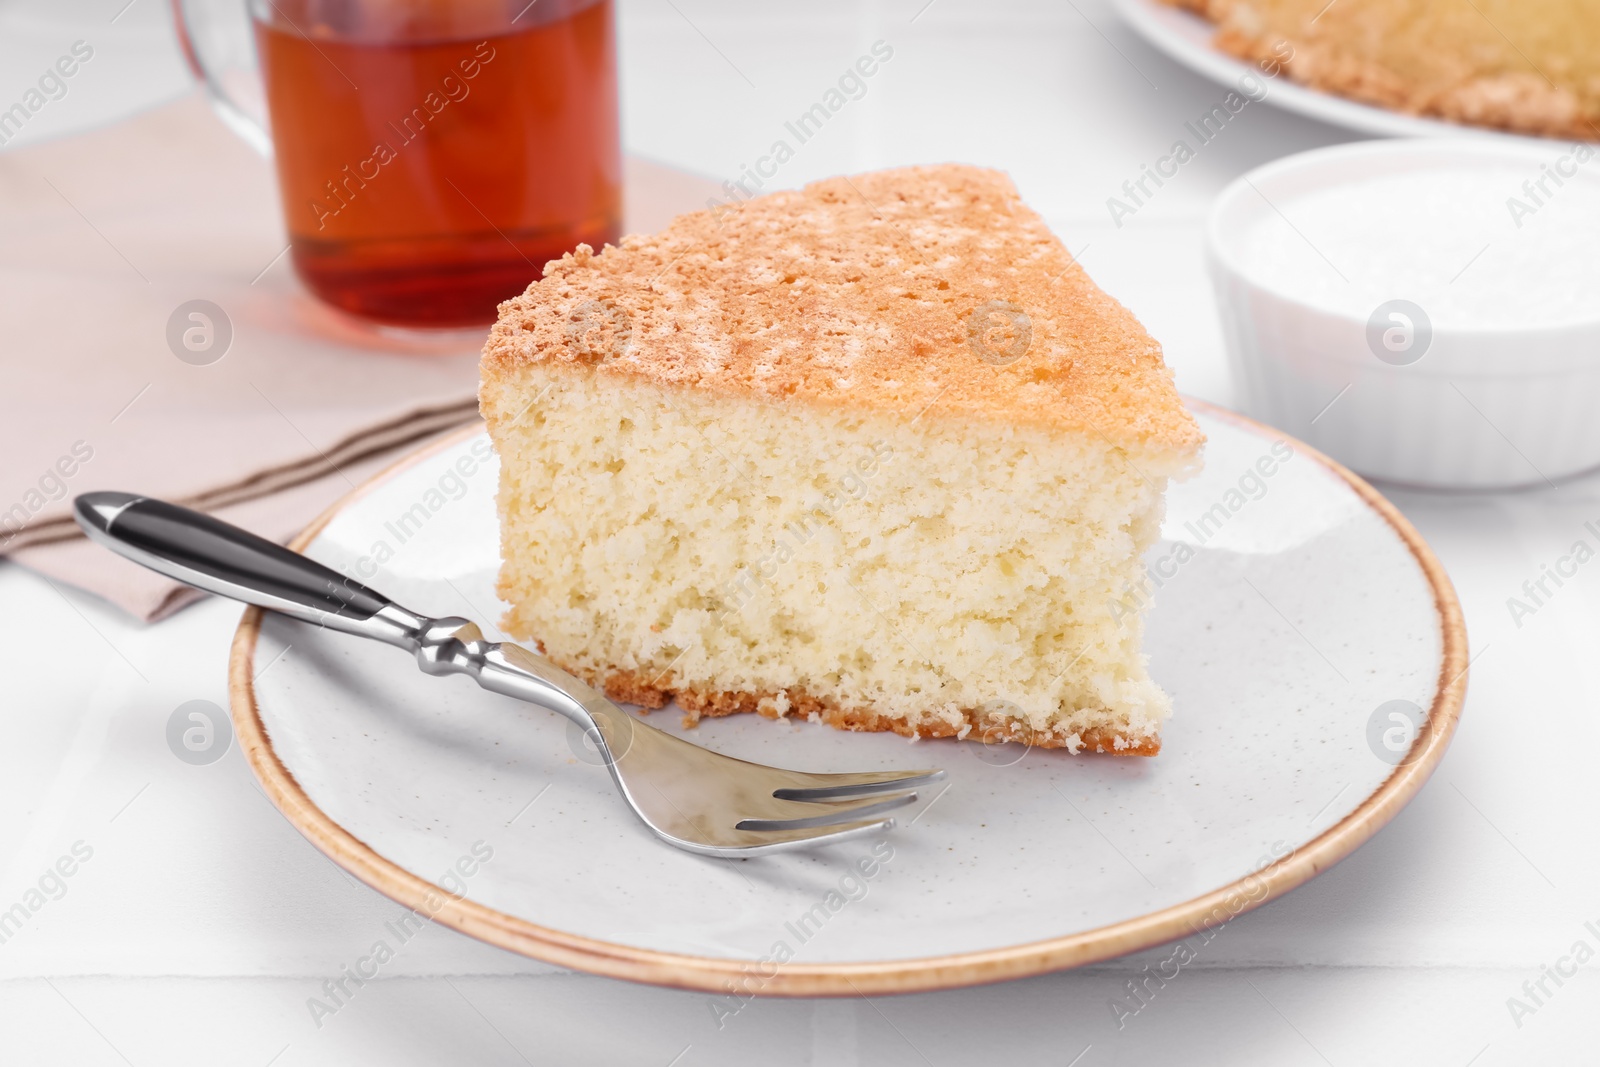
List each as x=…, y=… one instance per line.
x=428, y=173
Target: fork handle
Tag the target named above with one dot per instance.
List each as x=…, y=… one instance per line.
x=220, y=558
x=213, y=555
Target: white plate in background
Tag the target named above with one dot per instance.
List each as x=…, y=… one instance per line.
x=1186, y=37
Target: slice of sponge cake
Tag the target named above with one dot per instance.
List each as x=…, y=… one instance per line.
x=876, y=452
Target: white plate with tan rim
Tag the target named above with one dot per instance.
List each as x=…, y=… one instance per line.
x=1186, y=38
x=492, y=817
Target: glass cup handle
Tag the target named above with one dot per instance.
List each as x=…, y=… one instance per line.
x=218, y=42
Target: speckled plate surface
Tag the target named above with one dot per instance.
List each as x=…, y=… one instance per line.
x=1312, y=645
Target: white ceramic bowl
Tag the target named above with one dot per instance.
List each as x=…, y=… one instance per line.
x=1505, y=403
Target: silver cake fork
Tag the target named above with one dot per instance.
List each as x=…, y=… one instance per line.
x=688, y=796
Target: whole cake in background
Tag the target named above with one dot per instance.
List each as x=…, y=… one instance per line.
x=876, y=452
x=1530, y=66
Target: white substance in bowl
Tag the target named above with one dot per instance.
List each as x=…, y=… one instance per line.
x=1472, y=246
x=1427, y=312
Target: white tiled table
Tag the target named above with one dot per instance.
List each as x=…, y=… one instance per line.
x=203, y=922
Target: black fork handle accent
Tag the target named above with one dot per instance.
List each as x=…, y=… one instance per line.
x=220, y=558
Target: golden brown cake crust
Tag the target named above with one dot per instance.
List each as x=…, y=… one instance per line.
x=923, y=289
x=630, y=688
x=1452, y=61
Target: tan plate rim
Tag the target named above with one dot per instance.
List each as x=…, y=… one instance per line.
x=715, y=975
